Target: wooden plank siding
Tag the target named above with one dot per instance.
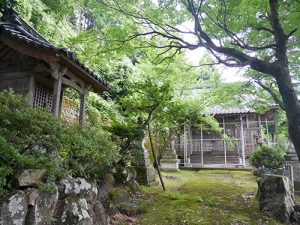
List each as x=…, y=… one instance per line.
x=209, y=147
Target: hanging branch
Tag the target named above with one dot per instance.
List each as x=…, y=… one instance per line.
x=272, y=93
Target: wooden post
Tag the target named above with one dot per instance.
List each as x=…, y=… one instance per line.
x=259, y=125
x=184, y=146
x=201, y=145
x=242, y=142
x=276, y=129
x=57, y=75
x=191, y=145
x=83, y=98
x=224, y=142
x=31, y=91
x=267, y=129
x=60, y=103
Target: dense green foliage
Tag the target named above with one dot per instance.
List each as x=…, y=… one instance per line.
x=267, y=157
x=33, y=138
x=152, y=82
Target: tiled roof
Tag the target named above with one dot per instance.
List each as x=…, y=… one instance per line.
x=217, y=110
x=12, y=24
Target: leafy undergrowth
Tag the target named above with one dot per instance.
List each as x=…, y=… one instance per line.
x=206, y=198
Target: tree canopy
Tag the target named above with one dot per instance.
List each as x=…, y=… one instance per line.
x=137, y=43
x=262, y=36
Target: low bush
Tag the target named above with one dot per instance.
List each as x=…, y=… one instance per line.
x=88, y=152
x=35, y=139
x=267, y=157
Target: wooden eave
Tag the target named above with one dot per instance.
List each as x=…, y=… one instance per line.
x=28, y=49
x=83, y=74
x=26, y=40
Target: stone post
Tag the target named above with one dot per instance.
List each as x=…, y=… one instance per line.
x=141, y=163
x=276, y=198
x=169, y=160
x=292, y=159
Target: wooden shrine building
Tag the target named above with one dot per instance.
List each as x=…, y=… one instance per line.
x=244, y=130
x=33, y=67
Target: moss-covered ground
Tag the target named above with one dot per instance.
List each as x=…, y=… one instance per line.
x=204, y=197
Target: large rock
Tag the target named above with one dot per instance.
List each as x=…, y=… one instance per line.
x=276, y=197
x=30, y=177
x=78, y=204
x=79, y=211
x=78, y=187
x=41, y=206
x=134, y=187
x=40, y=149
x=146, y=175
x=103, y=188
x=296, y=215
x=74, y=211
x=98, y=214
x=124, y=174
x=131, y=208
x=13, y=209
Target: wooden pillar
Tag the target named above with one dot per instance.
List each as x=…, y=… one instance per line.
x=184, y=146
x=57, y=75
x=276, y=129
x=242, y=142
x=83, y=98
x=259, y=125
x=191, y=146
x=201, y=145
x=267, y=130
x=60, y=102
x=31, y=91
x=224, y=143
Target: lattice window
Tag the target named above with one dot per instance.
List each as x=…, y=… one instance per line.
x=43, y=97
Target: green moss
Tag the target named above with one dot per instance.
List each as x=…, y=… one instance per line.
x=204, y=197
x=118, y=194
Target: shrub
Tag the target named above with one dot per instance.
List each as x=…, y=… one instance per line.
x=267, y=157
x=88, y=152
x=35, y=139
x=130, y=135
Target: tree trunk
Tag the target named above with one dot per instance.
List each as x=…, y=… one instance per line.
x=155, y=159
x=292, y=106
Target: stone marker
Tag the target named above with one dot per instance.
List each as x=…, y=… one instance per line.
x=276, y=197
x=169, y=160
x=292, y=159
x=141, y=163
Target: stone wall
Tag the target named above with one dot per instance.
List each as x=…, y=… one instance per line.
x=71, y=201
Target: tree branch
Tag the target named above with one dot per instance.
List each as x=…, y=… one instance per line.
x=280, y=37
x=271, y=92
